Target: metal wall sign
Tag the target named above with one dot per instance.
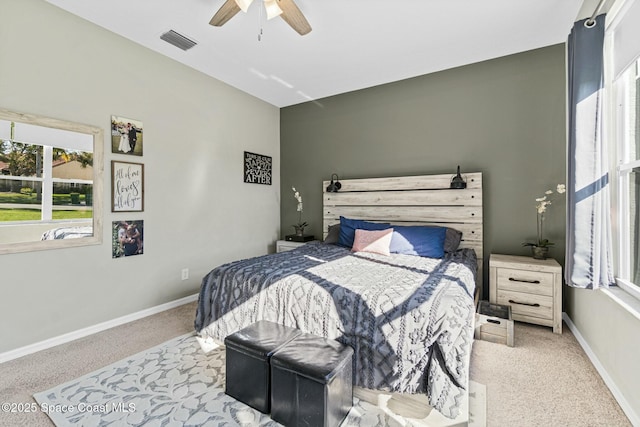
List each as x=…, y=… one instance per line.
x=257, y=168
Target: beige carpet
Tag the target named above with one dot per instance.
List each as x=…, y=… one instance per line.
x=543, y=381
x=176, y=384
x=546, y=379
x=21, y=378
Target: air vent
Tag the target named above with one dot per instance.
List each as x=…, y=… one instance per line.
x=178, y=40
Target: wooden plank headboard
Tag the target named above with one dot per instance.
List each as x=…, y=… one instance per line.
x=412, y=200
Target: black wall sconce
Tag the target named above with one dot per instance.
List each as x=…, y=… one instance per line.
x=457, y=182
x=334, y=186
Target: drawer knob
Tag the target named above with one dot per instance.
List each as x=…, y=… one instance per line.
x=497, y=322
x=524, y=280
x=524, y=303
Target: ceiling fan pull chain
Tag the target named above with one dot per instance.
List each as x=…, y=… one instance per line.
x=260, y=25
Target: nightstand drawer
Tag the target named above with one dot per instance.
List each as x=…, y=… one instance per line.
x=531, y=282
x=287, y=245
x=523, y=304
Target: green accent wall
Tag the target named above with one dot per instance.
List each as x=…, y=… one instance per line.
x=504, y=117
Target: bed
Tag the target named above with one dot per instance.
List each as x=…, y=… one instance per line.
x=408, y=318
x=67, y=233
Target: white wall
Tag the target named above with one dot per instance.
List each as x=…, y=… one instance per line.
x=613, y=336
x=198, y=212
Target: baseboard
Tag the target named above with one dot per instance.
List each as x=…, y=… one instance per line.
x=81, y=333
x=617, y=394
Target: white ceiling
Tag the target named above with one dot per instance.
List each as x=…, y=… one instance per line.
x=354, y=44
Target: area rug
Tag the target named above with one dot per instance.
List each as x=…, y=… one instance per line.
x=177, y=384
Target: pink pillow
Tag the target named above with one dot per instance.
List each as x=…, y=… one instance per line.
x=374, y=241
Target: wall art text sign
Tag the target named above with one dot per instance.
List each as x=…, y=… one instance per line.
x=127, y=187
x=257, y=168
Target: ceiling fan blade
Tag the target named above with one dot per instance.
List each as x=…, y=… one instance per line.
x=294, y=17
x=226, y=12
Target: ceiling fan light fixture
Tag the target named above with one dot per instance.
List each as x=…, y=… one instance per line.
x=286, y=9
x=244, y=4
x=272, y=8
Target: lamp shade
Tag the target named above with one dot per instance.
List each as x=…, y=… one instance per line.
x=272, y=8
x=244, y=4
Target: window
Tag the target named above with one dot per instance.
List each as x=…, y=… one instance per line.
x=627, y=89
x=622, y=69
x=50, y=182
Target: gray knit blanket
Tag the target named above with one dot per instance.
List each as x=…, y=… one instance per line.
x=409, y=319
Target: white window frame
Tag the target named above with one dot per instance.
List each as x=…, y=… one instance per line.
x=46, y=208
x=98, y=171
x=623, y=168
x=615, y=132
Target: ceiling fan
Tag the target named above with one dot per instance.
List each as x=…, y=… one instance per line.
x=286, y=9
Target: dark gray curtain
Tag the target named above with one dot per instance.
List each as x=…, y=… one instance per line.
x=635, y=180
x=588, y=257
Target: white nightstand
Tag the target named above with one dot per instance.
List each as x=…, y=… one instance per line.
x=532, y=287
x=284, y=245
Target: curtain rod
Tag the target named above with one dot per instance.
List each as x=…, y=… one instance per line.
x=592, y=21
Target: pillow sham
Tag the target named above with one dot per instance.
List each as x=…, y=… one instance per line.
x=422, y=240
x=373, y=241
x=333, y=233
x=348, y=229
x=452, y=240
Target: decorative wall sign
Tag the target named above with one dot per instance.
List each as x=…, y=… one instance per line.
x=126, y=136
x=257, y=168
x=127, y=238
x=127, y=187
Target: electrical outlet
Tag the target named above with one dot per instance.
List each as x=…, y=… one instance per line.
x=185, y=273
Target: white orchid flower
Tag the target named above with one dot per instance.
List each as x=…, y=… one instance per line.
x=541, y=207
x=298, y=197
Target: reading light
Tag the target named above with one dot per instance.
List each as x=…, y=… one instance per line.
x=244, y=4
x=272, y=8
x=458, y=183
x=334, y=186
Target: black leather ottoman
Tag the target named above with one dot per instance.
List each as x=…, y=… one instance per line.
x=247, y=361
x=311, y=382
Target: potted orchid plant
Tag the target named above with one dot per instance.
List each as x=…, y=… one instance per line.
x=540, y=248
x=299, y=227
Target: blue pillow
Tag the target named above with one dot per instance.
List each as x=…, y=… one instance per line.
x=348, y=229
x=422, y=240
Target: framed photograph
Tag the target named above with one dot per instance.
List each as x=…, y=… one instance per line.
x=127, y=238
x=257, y=168
x=126, y=136
x=127, y=187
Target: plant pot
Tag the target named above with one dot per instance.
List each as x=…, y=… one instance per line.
x=299, y=230
x=540, y=252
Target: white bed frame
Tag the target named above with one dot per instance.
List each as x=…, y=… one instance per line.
x=412, y=200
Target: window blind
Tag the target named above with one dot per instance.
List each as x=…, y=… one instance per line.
x=626, y=37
